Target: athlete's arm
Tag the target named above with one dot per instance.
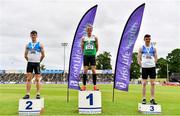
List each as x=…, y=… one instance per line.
x=26, y=53
x=155, y=55
x=97, y=44
x=82, y=44
x=139, y=56
x=42, y=53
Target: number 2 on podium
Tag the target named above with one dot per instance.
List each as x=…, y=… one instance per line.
x=29, y=105
x=90, y=97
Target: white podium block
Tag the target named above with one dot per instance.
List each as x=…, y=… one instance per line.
x=89, y=102
x=31, y=106
x=149, y=109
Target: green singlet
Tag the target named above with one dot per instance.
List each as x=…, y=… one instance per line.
x=89, y=46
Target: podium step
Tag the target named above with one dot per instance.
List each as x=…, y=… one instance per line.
x=89, y=102
x=30, y=107
x=149, y=108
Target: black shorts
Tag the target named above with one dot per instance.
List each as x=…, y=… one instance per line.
x=31, y=66
x=151, y=72
x=89, y=60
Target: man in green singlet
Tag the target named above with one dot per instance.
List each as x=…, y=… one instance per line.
x=89, y=46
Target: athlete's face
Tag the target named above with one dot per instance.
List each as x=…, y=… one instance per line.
x=33, y=37
x=89, y=30
x=147, y=40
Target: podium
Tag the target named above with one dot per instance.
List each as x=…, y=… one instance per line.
x=31, y=106
x=89, y=102
x=149, y=109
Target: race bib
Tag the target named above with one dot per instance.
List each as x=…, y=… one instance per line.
x=33, y=51
x=89, y=47
x=148, y=56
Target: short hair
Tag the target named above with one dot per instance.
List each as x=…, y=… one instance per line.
x=147, y=35
x=34, y=32
x=89, y=25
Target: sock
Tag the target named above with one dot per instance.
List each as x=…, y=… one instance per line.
x=94, y=79
x=152, y=98
x=84, y=79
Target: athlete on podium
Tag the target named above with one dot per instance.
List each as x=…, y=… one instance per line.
x=89, y=46
x=147, y=59
x=34, y=54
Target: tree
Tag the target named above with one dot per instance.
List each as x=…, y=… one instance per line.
x=174, y=61
x=135, y=68
x=42, y=67
x=104, y=61
x=162, y=68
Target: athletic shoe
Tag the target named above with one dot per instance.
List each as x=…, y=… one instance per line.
x=144, y=101
x=38, y=96
x=95, y=88
x=152, y=101
x=83, y=88
x=26, y=97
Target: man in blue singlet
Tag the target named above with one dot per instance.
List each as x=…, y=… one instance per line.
x=34, y=54
x=147, y=59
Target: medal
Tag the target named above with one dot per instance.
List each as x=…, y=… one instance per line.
x=33, y=51
x=148, y=55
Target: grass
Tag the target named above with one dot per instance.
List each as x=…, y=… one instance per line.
x=55, y=99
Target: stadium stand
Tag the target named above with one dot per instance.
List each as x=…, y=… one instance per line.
x=53, y=76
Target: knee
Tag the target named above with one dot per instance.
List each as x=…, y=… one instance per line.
x=144, y=84
x=28, y=79
x=94, y=71
x=85, y=71
x=37, y=78
x=152, y=83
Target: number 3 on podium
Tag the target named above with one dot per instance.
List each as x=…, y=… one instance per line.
x=29, y=105
x=90, y=97
x=151, y=108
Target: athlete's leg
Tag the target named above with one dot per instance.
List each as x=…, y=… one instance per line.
x=94, y=77
x=152, y=100
x=152, y=81
x=85, y=75
x=144, y=83
x=37, y=79
x=38, y=84
x=85, y=70
x=94, y=74
x=28, y=83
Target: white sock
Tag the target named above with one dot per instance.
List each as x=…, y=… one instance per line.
x=152, y=98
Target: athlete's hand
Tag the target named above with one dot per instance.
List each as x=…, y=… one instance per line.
x=139, y=62
x=26, y=58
